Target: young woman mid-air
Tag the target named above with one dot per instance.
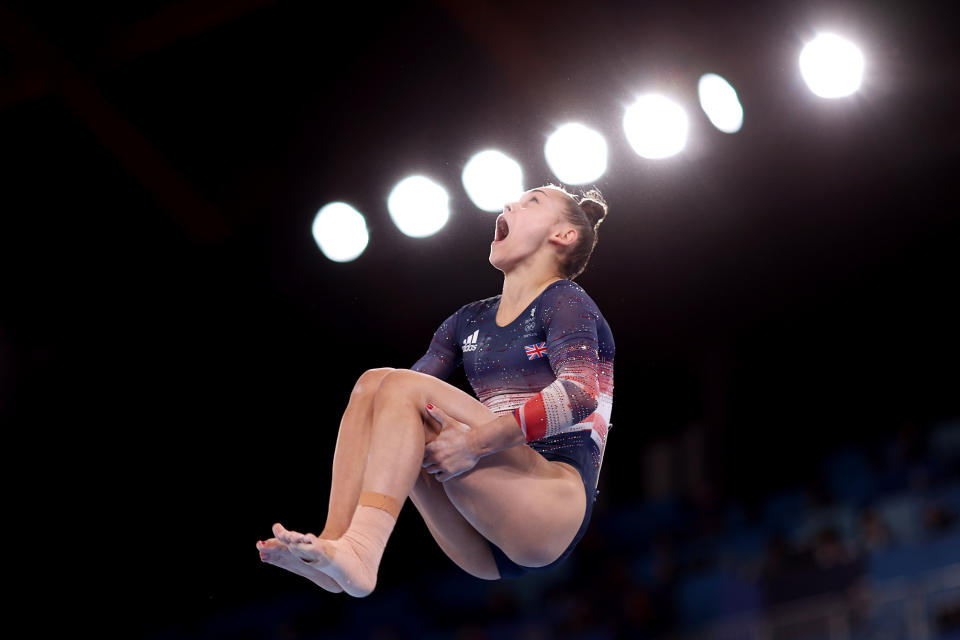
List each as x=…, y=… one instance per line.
x=540, y=358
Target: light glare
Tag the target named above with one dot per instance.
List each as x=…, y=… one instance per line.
x=419, y=206
x=340, y=231
x=656, y=127
x=831, y=66
x=491, y=178
x=718, y=99
x=576, y=154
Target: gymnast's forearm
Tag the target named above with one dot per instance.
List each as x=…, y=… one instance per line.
x=496, y=435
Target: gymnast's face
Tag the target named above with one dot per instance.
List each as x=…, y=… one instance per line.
x=534, y=223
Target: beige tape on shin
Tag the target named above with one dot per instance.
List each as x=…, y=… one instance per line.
x=380, y=501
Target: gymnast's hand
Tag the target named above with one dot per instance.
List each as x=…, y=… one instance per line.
x=453, y=451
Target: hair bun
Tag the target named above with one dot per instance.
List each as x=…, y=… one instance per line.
x=594, y=206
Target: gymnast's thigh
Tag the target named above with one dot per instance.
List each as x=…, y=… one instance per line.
x=423, y=388
x=456, y=537
x=527, y=505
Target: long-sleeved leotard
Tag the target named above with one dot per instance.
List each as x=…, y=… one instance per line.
x=552, y=367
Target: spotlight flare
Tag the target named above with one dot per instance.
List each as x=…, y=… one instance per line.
x=340, y=231
x=576, y=154
x=656, y=127
x=419, y=206
x=719, y=101
x=831, y=66
x=491, y=178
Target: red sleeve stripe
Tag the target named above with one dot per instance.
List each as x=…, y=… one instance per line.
x=533, y=418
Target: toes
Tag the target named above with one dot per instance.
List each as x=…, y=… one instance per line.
x=310, y=550
x=270, y=543
x=286, y=536
x=301, y=559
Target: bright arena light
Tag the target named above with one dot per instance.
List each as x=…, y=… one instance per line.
x=831, y=66
x=419, y=206
x=576, y=154
x=491, y=178
x=340, y=231
x=718, y=99
x=655, y=126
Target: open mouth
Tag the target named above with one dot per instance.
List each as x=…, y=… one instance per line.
x=502, y=229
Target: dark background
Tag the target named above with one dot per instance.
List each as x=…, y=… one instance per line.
x=177, y=350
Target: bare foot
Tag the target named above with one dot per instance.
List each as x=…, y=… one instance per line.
x=339, y=559
x=274, y=552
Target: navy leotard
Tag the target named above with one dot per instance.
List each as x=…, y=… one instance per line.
x=551, y=367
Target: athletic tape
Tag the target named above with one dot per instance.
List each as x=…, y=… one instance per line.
x=380, y=501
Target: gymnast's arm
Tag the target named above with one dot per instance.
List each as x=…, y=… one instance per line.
x=443, y=356
x=572, y=349
x=441, y=360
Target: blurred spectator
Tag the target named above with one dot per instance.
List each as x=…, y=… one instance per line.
x=626, y=577
x=791, y=573
x=905, y=459
x=694, y=457
x=829, y=550
x=660, y=470
x=937, y=519
x=665, y=568
x=874, y=533
x=776, y=558
x=947, y=619
x=709, y=509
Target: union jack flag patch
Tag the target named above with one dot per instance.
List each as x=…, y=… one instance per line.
x=535, y=350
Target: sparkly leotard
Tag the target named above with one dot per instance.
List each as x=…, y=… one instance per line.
x=551, y=367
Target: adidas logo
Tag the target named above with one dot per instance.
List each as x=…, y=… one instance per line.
x=470, y=342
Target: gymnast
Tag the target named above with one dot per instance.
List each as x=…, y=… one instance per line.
x=540, y=359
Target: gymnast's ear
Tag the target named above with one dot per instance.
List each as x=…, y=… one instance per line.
x=564, y=236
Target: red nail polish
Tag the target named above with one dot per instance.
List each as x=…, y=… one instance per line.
x=429, y=406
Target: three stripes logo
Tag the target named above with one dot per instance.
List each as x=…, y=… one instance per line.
x=470, y=342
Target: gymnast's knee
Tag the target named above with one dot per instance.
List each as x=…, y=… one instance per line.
x=532, y=558
x=369, y=381
x=397, y=381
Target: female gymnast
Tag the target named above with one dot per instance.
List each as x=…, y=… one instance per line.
x=540, y=359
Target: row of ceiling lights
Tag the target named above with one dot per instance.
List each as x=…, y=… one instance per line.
x=655, y=127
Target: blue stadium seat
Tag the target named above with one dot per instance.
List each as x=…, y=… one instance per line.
x=704, y=596
x=945, y=440
x=744, y=543
x=901, y=513
x=897, y=562
x=849, y=477
x=698, y=551
x=643, y=570
x=841, y=517
x=947, y=495
x=944, y=550
x=914, y=560
x=698, y=598
x=784, y=511
x=738, y=595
